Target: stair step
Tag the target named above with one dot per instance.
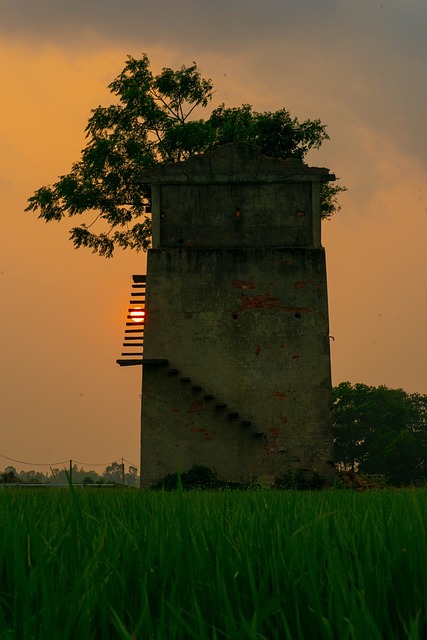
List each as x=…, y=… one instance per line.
x=232, y=415
x=139, y=278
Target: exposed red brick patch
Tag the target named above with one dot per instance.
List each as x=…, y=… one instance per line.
x=266, y=301
x=243, y=284
x=274, y=432
x=208, y=435
x=302, y=285
x=283, y=419
x=269, y=447
x=295, y=357
x=278, y=394
x=258, y=351
x=262, y=301
x=196, y=407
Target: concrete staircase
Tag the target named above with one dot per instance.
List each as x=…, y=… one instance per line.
x=223, y=410
x=134, y=332
x=134, y=339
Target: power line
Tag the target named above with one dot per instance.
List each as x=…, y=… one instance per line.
x=131, y=463
x=35, y=464
x=94, y=464
x=66, y=462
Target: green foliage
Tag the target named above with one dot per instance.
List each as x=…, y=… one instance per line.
x=9, y=476
x=198, y=477
x=381, y=431
x=329, y=203
x=151, y=124
x=209, y=565
x=301, y=480
x=276, y=133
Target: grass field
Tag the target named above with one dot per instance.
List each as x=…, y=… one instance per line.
x=213, y=565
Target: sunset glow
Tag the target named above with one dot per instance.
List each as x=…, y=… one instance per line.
x=137, y=314
x=359, y=67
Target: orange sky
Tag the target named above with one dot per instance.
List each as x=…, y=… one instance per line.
x=361, y=70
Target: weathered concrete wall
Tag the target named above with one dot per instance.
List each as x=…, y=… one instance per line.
x=242, y=320
x=239, y=215
x=251, y=328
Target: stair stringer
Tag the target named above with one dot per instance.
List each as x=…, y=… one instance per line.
x=221, y=408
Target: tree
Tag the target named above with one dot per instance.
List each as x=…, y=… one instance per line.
x=153, y=122
x=113, y=473
x=32, y=477
x=9, y=475
x=131, y=477
x=116, y=473
x=381, y=431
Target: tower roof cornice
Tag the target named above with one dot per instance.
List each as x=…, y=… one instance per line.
x=235, y=163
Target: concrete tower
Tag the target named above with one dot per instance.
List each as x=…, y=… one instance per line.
x=236, y=364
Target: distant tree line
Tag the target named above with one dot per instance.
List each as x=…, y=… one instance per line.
x=114, y=473
x=377, y=431
x=381, y=431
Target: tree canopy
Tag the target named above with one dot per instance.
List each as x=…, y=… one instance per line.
x=381, y=431
x=156, y=119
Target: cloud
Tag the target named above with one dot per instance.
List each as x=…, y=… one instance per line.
x=359, y=66
x=364, y=61
x=200, y=20
x=234, y=24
